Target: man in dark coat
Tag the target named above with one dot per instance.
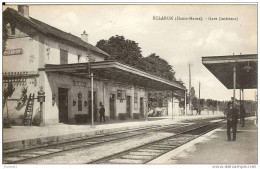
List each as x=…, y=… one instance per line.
x=232, y=118
x=102, y=113
x=242, y=115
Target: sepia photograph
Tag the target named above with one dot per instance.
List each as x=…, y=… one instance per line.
x=130, y=83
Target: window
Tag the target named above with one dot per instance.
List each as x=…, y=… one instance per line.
x=80, y=102
x=135, y=97
x=79, y=105
x=135, y=100
x=10, y=29
x=13, y=25
x=121, y=94
x=79, y=58
x=63, y=56
x=90, y=58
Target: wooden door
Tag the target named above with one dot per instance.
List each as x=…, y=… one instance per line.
x=63, y=105
x=95, y=105
x=141, y=107
x=112, y=106
x=128, y=106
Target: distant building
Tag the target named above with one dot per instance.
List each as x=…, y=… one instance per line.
x=39, y=55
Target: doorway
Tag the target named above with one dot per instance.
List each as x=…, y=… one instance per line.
x=112, y=106
x=63, y=105
x=128, y=106
x=95, y=105
x=141, y=107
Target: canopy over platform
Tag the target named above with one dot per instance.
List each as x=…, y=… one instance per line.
x=117, y=72
x=223, y=67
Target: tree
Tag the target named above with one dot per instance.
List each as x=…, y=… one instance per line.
x=5, y=35
x=214, y=105
x=121, y=49
x=192, y=93
x=157, y=98
x=195, y=103
x=211, y=104
x=128, y=52
x=208, y=102
x=202, y=102
x=180, y=82
x=157, y=66
x=8, y=92
x=191, y=97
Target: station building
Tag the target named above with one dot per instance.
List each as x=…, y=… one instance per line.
x=38, y=55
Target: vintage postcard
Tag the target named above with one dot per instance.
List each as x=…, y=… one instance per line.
x=130, y=83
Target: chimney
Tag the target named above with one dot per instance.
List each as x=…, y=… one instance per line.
x=23, y=10
x=84, y=37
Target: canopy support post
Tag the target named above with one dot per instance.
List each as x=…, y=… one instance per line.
x=172, y=104
x=185, y=102
x=92, y=100
x=234, y=84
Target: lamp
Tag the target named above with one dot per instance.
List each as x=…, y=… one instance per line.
x=41, y=96
x=247, y=68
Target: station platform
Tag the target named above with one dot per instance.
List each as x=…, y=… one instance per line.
x=213, y=148
x=20, y=137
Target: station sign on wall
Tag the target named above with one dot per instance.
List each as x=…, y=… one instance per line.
x=121, y=94
x=13, y=52
x=79, y=83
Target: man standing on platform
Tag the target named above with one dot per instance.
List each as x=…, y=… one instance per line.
x=242, y=115
x=232, y=118
x=102, y=113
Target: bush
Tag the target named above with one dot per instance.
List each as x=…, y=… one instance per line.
x=81, y=118
x=6, y=123
x=136, y=115
x=122, y=116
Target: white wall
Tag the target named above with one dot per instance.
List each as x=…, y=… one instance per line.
x=120, y=107
x=175, y=111
x=54, y=81
x=32, y=85
x=52, y=54
x=28, y=62
x=97, y=57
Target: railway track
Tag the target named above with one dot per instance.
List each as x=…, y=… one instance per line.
x=16, y=157
x=148, y=152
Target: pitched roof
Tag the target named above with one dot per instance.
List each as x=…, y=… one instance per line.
x=50, y=30
x=116, y=71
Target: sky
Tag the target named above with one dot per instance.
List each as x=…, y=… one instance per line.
x=179, y=42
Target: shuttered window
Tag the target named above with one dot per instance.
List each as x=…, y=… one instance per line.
x=63, y=57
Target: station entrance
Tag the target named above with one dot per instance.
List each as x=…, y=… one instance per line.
x=90, y=106
x=112, y=106
x=63, y=105
x=128, y=106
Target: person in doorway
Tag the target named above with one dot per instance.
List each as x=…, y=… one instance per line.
x=242, y=115
x=232, y=118
x=102, y=113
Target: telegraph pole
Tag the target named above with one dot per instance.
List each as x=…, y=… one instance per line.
x=199, y=98
x=92, y=99
x=185, y=102
x=92, y=92
x=256, y=110
x=189, y=89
